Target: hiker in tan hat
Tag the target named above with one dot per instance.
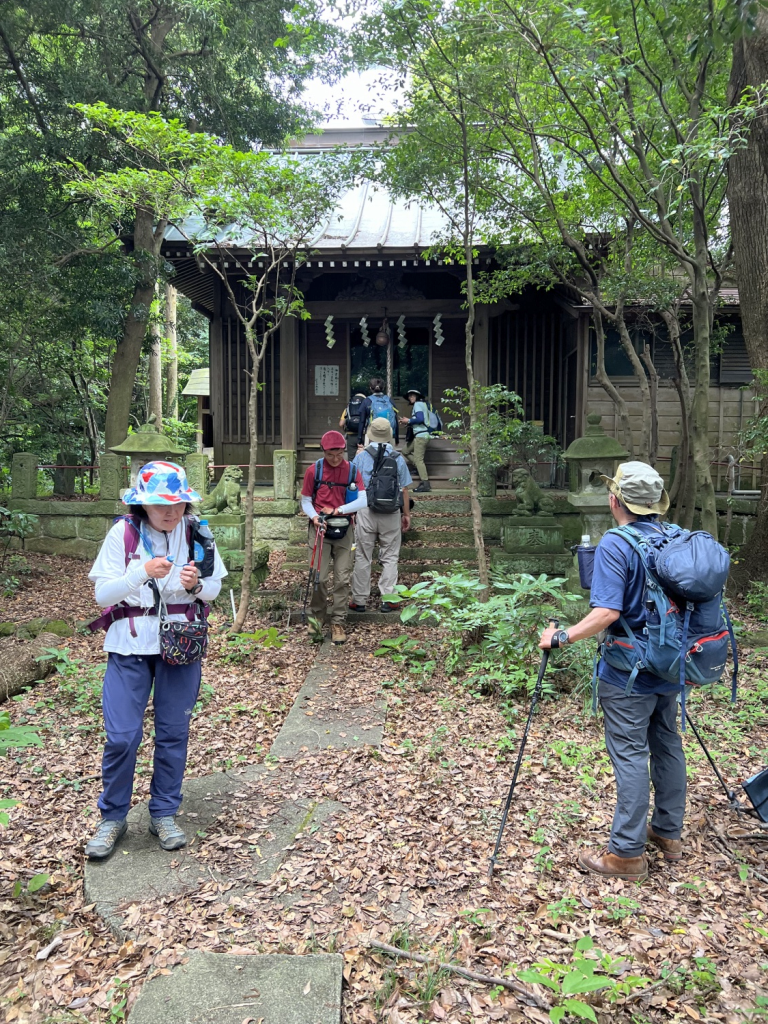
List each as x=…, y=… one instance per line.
x=386, y=479
x=640, y=714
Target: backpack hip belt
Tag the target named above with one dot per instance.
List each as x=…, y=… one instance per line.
x=131, y=611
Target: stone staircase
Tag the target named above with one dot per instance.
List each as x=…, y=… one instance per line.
x=441, y=533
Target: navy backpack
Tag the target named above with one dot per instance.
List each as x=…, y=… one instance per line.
x=687, y=630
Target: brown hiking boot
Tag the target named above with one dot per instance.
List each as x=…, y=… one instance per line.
x=338, y=635
x=610, y=865
x=671, y=848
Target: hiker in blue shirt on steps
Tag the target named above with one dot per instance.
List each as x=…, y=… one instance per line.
x=418, y=437
x=384, y=519
x=375, y=405
x=642, y=724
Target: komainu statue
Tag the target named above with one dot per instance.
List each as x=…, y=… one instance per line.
x=531, y=500
x=226, y=495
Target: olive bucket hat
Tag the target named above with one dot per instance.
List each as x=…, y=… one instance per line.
x=639, y=487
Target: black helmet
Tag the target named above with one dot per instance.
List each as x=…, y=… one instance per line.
x=414, y=391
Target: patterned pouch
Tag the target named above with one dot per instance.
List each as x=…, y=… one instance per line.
x=182, y=643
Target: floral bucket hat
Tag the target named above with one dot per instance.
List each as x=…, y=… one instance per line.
x=160, y=483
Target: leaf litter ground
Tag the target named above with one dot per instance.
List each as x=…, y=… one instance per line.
x=404, y=861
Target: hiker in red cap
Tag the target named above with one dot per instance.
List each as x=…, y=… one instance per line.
x=332, y=492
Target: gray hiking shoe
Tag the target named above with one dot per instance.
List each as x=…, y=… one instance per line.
x=105, y=838
x=168, y=832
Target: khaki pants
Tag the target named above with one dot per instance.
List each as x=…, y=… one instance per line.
x=418, y=448
x=341, y=553
x=371, y=527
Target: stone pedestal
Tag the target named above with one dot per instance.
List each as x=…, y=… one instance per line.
x=111, y=471
x=24, y=475
x=284, y=467
x=228, y=530
x=531, y=534
x=532, y=544
x=196, y=467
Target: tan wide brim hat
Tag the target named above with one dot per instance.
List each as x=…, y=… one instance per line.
x=639, y=487
x=380, y=431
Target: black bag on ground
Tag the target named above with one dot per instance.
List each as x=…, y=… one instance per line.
x=756, y=789
x=383, y=489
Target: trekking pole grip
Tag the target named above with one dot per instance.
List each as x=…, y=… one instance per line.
x=554, y=623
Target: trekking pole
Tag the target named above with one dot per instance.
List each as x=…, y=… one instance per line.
x=309, y=579
x=319, y=562
x=536, y=694
x=735, y=803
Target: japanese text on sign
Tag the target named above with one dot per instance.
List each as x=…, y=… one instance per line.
x=326, y=380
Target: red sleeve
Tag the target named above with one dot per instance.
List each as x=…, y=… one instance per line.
x=359, y=481
x=308, y=487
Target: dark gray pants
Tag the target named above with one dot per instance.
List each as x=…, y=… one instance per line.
x=636, y=727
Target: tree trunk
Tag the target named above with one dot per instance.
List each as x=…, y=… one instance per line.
x=253, y=454
x=18, y=667
x=172, y=367
x=653, y=378
x=700, y=405
x=156, y=371
x=474, y=449
x=609, y=387
x=748, y=205
x=128, y=352
x=644, y=453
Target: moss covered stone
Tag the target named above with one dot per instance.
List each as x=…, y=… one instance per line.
x=8, y=628
x=34, y=627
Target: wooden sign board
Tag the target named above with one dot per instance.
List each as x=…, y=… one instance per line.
x=326, y=380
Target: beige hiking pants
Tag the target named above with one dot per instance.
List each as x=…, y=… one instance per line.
x=372, y=527
x=415, y=451
x=340, y=551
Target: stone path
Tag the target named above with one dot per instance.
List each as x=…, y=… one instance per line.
x=319, y=721
x=216, y=988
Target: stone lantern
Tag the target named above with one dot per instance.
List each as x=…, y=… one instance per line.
x=588, y=457
x=147, y=444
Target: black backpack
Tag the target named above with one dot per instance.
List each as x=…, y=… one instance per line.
x=383, y=489
x=354, y=411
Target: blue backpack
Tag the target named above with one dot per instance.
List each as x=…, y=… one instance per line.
x=435, y=424
x=381, y=405
x=687, y=628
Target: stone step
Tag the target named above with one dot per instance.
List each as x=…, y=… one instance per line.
x=275, y=987
x=424, y=552
x=297, y=556
x=432, y=536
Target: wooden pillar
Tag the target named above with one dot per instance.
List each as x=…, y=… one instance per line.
x=480, y=345
x=289, y=384
x=216, y=372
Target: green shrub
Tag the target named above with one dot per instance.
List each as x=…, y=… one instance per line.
x=757, y=600
x=493, y=644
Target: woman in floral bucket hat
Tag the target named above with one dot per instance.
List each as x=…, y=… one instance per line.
x=144, y=563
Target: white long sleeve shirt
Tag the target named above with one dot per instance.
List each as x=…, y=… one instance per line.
x=116, y=583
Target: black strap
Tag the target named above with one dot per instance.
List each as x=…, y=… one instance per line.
x=330, y=483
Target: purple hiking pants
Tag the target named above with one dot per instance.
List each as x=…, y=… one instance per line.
x=127, y=685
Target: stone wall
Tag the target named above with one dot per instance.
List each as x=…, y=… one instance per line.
x=76, y=527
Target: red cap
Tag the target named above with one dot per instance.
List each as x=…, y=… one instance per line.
x=332, y=439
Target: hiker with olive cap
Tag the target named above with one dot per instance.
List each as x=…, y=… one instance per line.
x=641, y=723
x=334, y=488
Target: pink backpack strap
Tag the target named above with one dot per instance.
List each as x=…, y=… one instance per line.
x=131, y=537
